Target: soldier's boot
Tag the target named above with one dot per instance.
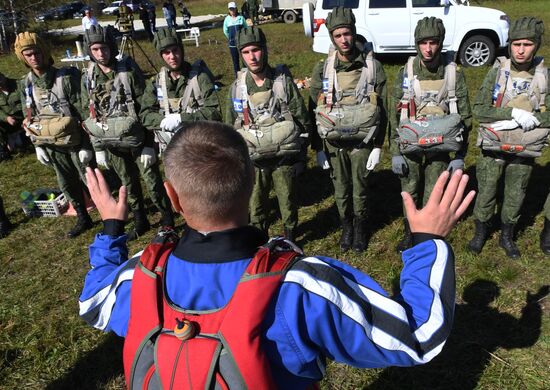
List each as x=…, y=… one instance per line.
x=359, y=234
x=5, y=225
x=346, y=239
x=4, y=153
x=83, y=222
x=480, y=237
x=289, y=234
x=141, y=225
x=507, y=241
x=545, y=238
x=407, y=241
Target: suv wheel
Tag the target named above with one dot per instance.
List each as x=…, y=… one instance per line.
x=290, y=17
x=478, y=50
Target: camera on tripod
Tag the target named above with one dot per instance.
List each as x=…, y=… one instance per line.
x=125, y=20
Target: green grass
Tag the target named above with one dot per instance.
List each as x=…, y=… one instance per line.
x=502, y=344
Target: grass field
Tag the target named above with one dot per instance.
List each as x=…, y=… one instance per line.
x=501, y=335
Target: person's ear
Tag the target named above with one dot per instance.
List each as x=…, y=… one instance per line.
x=173, y=196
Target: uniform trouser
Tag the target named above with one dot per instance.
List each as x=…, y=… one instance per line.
x=489, y=171
x=235, y=57
x=349, y=177
x=70, y=175
x=429, y=166
x=547, y=207
x=5, y=131
x=128, y=167
x=282, y=179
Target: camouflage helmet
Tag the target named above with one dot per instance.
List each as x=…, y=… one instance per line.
x=526, y=27
x=165, y=37
x=251, y=36
x=340, y=17
x=98, y=34
x=29, y=40
x=429, y=27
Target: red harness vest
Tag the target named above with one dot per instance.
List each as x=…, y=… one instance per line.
x=223, y=350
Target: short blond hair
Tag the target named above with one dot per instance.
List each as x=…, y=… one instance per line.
x=208, y=165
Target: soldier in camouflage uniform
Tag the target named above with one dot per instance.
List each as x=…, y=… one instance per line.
x=264, y=102
x=429, y=68
x=191, y=95
x=10, y=113
x=51, y=102
x=517, y=101
x=352, y=158
x=129, y=155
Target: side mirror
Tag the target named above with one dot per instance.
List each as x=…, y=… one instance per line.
x=445, y=3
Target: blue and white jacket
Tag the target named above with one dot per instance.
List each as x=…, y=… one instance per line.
x=324, y=308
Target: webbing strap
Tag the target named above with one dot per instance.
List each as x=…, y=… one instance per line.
x=279, y=91
x=331, y=76
x=162, y=79
x=450, y=85
x=367, y=80
x=540, y=81
x=407, y=104
x=59, y=92
x=242, y=95
x=121, y=77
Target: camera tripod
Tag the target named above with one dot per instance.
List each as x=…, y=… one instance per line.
x=127, y=45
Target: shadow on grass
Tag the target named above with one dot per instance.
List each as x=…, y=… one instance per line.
x=95, y=369
x=477, y=332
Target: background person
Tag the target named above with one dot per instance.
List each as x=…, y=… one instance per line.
x=88, y=20
x=280, y=327
x=11, y=115
x=232, y=24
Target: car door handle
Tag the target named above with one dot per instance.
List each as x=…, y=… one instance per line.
x=418, y=13
x=374, y=13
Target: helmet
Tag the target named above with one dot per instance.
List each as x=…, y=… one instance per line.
x=253, y=36
x=165, y=37
x=429, y=27
x=340, y=17
x=526, y=27
x=98, y=34
x=29, y=40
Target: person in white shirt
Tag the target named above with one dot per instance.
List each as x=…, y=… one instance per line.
x=88, y=20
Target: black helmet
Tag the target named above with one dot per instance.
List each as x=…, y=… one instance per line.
x=98, y=34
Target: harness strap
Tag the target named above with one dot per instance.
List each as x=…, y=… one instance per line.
x=28, y=97
x=90, y=86
x=450, y=85
x=540, y=81
x=121, y=78
x=242, y=95
x=407, y=104
x=162, y=82
x=331, y=76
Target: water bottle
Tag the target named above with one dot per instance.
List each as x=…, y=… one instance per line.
x=68, y=53
x=27, y=198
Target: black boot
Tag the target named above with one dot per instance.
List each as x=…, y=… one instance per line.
x=406, y=242
x=545, y=238
x=359, y=234
x=289, y=234
x=141, y=225
x=83, y=223
x=507, y=241
x=346, y=239
x=480, y=237
x=5, y=225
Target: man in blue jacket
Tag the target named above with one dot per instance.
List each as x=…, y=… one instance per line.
x=322, y=308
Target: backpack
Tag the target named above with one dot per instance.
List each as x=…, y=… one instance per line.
x=169, y=347
x=117, y=125
x=516, y=141
x=191, y=94
x=440, y=128
x=339, y=121
x=52, y=122
x=264, y=120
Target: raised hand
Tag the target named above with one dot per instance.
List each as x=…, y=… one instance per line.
x=107, y=205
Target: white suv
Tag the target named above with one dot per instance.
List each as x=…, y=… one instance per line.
x=474, y=33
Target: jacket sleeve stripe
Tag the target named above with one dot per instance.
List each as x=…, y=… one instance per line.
x=384, y=321
x=97, y=309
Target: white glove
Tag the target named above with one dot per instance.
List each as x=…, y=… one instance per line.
x=148, y=157
x=42, y=156
x=85, y=156
x=374, y=159
x=170, y=122
x=504, y=125
x=322, y=160
x=101, y=159
x=526, y=120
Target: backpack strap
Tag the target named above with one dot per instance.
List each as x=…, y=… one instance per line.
x=407, y=104
x=278, y=255
x=29, y=101
x=59, y=91
x=193, y=86
x=121, y=78
x=154, y=256
x=280, y=94
x=367, y=80
x=329, y=73
x=501, y=82
x=450, y=86
x=540, y=84
x=162, y=90
x=90, y=86
x=241, y=93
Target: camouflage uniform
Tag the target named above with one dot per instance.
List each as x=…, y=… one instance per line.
x=348, y=158
x=10, y=105
x=493, y=166
x=278, y=172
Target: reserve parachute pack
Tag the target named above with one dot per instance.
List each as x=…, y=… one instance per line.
x=349, y=110
x=264, y=120
x=48, y=114
x=532, y=98
x=191, y=101
x=113, y=121
x=429, y=119
x=169, y=347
